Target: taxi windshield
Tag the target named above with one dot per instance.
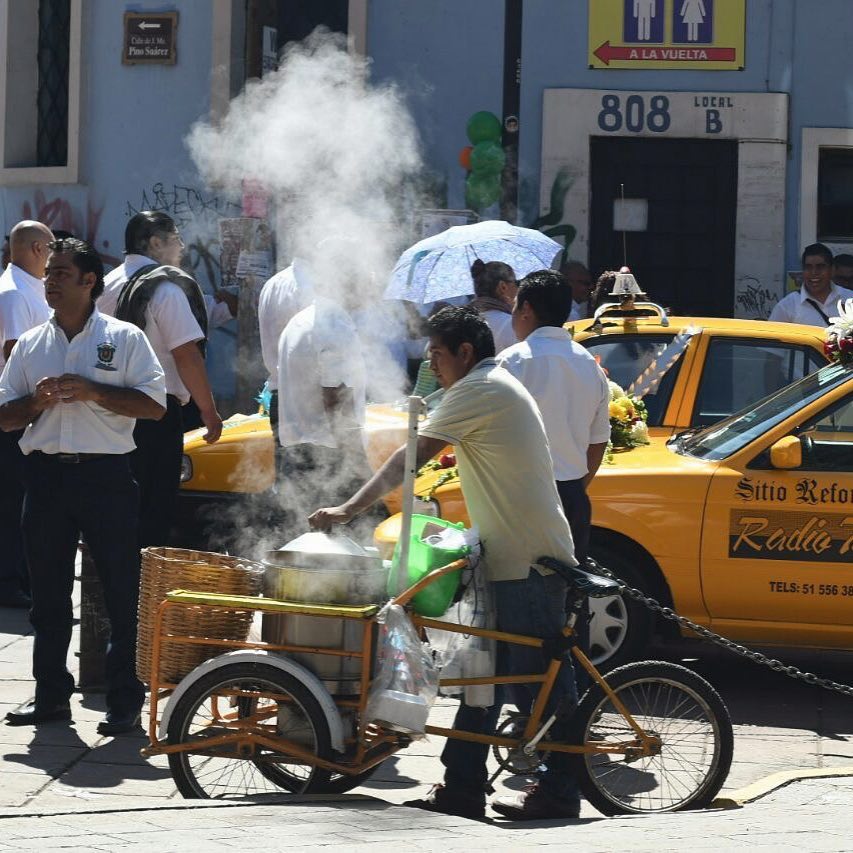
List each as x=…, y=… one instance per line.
x=728, y=436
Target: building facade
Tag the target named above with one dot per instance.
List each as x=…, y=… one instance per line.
x=703, y=141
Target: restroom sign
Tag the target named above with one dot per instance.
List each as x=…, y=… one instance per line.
x=705, y=34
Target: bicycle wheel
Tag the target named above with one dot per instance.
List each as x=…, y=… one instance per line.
x=677, y=706
x=216, y=705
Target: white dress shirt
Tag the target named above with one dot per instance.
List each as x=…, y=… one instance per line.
x=319, y=348
x=501, y=326
x=570, y=390
x=107, y=351
x=22, y=305
x=282, y=297
x=793, y=308
x=169, y=321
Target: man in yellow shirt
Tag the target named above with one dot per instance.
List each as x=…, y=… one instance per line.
x=507, y=478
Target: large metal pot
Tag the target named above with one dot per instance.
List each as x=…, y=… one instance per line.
x=325, y=568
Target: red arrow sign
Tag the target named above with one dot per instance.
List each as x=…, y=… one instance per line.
x=658, y=53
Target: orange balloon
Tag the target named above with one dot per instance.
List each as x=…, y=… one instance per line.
x=465, y=157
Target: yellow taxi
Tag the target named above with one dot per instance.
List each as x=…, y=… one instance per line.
x=739, y=525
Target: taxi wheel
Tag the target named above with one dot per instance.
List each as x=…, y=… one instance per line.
x=620, y=629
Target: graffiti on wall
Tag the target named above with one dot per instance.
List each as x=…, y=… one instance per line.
x=60, y=214
x=551, y=223
x=197, y=214
x=753, y=299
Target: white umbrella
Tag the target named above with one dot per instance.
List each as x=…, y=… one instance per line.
x=439, y=267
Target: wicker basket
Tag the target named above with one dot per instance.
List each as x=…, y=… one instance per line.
x=166, y=569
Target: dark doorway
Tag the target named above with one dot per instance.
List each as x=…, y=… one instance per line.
x=685, y=258
x=290, y=20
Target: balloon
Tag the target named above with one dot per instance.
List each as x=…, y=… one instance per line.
x=487, y=158
x=484, y=127
x=482, y=190
x=465, y=158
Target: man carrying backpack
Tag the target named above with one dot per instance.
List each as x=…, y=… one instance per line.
x=150, y=290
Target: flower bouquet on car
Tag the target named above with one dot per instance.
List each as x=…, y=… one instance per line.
x=839, y=336
x=628, y=417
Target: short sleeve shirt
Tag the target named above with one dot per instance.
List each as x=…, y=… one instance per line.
x=571, y=391
x=318, y=349
x=282, y=298
x=169, y=321
x=107, y=351
x=22, y=305
x=505, y=470
x=794, y=308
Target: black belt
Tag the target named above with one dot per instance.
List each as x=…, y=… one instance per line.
x=72, y=458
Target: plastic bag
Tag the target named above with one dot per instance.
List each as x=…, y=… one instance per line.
x=406, y=681
x=460, y=655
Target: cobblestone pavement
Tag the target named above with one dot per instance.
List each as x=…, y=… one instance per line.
x=65, y=786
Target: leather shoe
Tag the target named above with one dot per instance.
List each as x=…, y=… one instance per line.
x=17, y=598
x=535, y=804
x=31, y=714
x=116, y=723
x=452, y=802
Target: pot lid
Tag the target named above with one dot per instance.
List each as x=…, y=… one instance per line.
x=316, y=542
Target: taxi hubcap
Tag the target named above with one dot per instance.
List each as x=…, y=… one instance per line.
x=608, y=627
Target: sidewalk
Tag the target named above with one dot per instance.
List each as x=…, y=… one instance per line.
x=96, y=792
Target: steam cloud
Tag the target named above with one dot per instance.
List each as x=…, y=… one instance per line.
x=340, y=157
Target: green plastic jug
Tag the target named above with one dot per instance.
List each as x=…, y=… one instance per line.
x=423, y=558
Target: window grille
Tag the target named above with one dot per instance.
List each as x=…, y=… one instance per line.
x=52, y=99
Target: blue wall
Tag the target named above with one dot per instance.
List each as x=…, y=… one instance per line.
x=448, y=56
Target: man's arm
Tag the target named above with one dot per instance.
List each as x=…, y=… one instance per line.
x=16, y=414
x=388, y=477
x=193, y=374
x=7, y=348
x=594, y=457
x=129, y=402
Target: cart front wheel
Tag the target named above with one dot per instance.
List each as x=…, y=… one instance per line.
x=216, y=706
x=673, y=704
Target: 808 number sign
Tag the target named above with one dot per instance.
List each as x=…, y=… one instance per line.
x=635, y=114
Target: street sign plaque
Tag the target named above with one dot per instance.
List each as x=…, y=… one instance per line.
x=150, y=39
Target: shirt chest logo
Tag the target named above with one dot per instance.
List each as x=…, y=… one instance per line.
x=105, y=351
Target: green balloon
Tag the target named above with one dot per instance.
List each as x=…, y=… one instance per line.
x=484, y=127
x=482, y=190
x=487, y=158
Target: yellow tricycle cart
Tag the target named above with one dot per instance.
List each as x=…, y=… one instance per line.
x=287, y=713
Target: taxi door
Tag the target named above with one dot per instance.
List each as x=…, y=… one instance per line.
x=777, y=545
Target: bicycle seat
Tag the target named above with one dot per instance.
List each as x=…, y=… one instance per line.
x=594, y=586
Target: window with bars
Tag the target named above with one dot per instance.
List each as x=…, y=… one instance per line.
x=40, y=90
x=54, y=31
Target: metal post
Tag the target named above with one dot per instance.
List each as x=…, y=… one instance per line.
x=411, y=464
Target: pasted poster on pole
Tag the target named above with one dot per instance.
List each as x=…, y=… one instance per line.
x=705, y=34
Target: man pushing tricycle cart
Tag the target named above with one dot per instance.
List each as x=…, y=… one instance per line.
x=254, y=720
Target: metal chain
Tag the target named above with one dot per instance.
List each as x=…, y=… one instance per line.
x=730, y=645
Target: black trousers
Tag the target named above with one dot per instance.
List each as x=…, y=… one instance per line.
x=13, y=566
x=99, y=499
x=156, y=466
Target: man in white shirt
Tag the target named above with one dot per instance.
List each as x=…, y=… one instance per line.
x=570, y=389
x=507, y=478
x=580, y=281
x=22, y=306
x=76, y=384
x=817, y=300
x=321, y=406
x=282, y=297
x=175, y=330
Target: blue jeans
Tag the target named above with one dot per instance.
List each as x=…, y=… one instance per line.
x=534, y=606
x=100, y=499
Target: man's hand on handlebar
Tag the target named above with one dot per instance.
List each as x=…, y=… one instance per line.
x=323, y=519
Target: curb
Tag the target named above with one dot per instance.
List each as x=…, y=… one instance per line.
x=283, y=799
x=761, y=788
